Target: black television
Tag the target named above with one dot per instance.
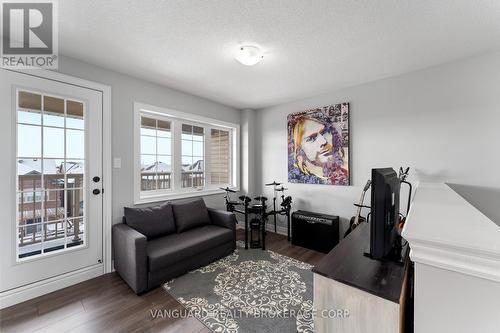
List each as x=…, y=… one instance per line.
x=384, y=213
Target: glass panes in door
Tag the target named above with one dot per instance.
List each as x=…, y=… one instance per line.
x=50, y=173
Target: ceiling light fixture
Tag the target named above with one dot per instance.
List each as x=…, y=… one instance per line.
x=248, y=55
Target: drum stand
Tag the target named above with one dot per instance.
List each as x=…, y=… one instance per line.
x=285, y=206
x=231, y=207
x=275, y=190
x=259, y=210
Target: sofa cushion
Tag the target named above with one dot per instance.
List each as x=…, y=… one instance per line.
x=166, y=251
x=152, y=222
x=190, y=214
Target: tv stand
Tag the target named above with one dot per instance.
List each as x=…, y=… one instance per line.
x=374, y=292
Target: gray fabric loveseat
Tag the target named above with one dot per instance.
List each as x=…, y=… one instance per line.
x=155, y=244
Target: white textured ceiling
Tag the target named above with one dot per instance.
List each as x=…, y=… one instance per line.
x=311, y=46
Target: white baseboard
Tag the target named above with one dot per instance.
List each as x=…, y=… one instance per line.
x=280, y=229
x=24, y=293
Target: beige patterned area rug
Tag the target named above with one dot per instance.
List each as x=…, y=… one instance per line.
x=249, y=291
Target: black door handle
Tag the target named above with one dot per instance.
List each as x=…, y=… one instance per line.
x=96, y=191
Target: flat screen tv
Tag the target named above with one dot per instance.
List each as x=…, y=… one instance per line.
x=385, y=212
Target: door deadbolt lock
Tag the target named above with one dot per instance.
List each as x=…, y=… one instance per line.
x=96, y=179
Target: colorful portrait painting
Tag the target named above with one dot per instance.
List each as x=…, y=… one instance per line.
x=318, y=146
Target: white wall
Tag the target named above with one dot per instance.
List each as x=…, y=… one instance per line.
x=447, y=301
x=247, y=151
x=126, y=90
x=443, y=122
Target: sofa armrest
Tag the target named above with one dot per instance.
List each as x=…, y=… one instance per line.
x=222, y=218
x=130, y=256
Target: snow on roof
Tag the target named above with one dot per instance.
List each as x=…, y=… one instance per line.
x=160, y=167
x=50, y=166
x=163, y=167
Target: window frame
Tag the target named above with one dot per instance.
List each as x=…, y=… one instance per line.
x=173, y=173
x=176, y=119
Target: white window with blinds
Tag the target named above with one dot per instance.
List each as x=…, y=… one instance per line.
x=180, y=155
x=220, y=156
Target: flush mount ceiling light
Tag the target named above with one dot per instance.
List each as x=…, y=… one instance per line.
x=248, y=55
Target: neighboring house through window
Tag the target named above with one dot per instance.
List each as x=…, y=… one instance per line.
x=181, y=155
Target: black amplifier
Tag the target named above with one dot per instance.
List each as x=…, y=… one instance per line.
x=319, y=232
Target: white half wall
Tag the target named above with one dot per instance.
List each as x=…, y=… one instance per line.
x=447, y=301
x=443, y=122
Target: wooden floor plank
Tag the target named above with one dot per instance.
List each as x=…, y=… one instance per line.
x=107, y=304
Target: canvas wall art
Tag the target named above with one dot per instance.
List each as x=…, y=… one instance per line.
x=318, y=146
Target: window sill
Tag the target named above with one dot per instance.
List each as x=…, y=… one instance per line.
x=178, y=195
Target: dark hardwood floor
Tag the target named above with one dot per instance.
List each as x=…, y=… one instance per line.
x=107, y=304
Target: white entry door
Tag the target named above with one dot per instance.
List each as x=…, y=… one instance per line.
x=51, y=209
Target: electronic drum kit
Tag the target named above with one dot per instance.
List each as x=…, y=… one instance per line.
x=256, y=213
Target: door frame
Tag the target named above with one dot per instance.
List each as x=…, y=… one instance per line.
x=106, y=152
